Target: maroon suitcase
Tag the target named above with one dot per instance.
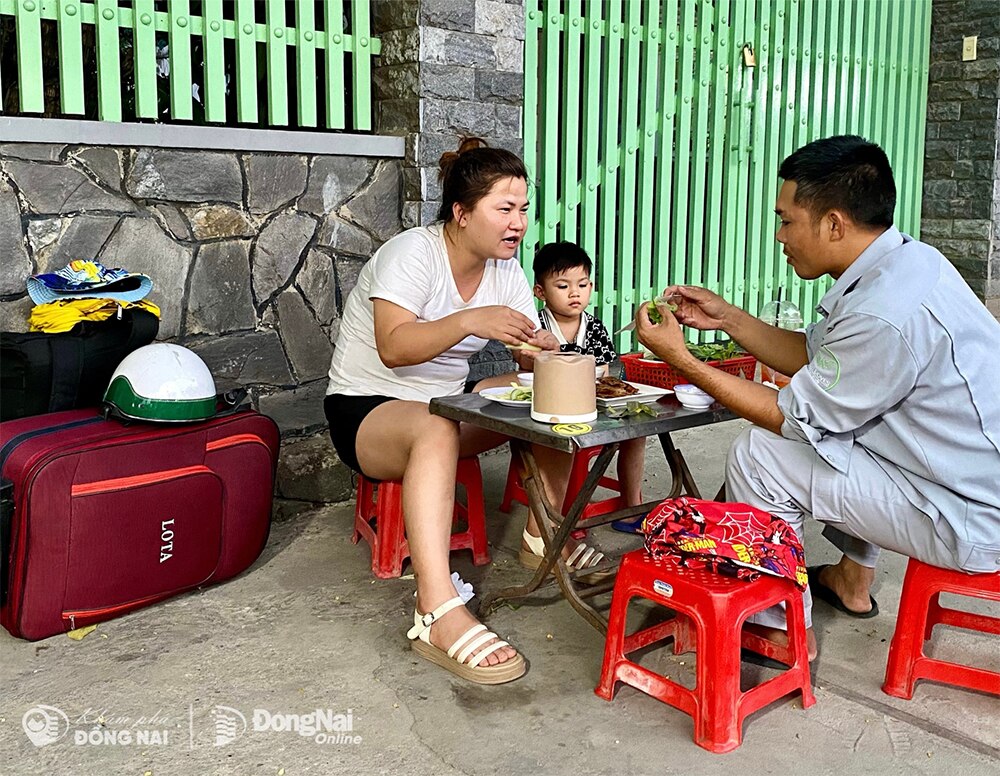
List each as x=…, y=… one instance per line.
x=109, y=517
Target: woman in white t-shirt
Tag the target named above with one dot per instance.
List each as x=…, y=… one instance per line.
x=427, y=300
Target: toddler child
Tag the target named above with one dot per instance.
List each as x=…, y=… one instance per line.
x=562, y=281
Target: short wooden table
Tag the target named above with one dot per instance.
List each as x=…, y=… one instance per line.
x=516, y=423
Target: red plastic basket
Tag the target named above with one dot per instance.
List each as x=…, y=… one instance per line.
x=662, y=375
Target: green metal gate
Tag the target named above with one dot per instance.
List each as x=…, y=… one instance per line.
x=654, y=131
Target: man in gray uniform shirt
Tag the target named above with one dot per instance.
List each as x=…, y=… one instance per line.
x=889, y=432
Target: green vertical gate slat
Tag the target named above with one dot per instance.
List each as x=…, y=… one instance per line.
x=848, y=94
x=70, y=57
x=277, y=63
x=213, y=53
x=179, y=37
x=715, y=261
x=897, y=87
x=870, y=62
x=772, y=275
x=924, y=34
x=699, y=143
x=610, y=161
x=682, y=168
x=881, y=74
x=246, y=61
x=759, y=207
x=856, y=54
x=361, y=63
x=28, y=17
x=647, y=149
x=109, y=91
x=900, y=158
x=738, y=188
x=571, y=118
x=591, y=175
x=816, y=53
x=333, y=23
x=663, y=261
x=734, y=191
x=532, y=20
x=144, y=59
x=627, y=182
x=791, y=97
x=305, y=60
x=550, y=129
x=832, y=108
x=802, y=129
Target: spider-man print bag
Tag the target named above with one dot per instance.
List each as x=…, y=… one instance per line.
x=731, y=539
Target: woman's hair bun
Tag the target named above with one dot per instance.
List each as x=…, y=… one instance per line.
x=448, y=158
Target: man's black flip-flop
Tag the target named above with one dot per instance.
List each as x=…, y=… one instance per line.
x=823, y=593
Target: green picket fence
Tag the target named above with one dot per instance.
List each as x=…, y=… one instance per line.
x=654, y=131
x=327, y=46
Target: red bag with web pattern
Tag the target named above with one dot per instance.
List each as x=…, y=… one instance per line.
x=733, y=539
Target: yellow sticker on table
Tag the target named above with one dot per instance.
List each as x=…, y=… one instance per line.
x=571, y=429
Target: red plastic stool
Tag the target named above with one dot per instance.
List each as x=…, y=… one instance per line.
x=919, y=612
x=710, y=610
x=514, y=491
x=381, y=503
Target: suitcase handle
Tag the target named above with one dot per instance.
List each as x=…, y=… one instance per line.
x=231, y=401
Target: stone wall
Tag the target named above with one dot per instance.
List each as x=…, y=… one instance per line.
x=961, y=209
x=448, y=68
x=251, y=256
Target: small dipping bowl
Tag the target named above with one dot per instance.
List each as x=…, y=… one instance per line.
x=692, y=396
x=526, y=379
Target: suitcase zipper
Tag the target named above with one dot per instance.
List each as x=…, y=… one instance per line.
x=123, y=483
x=112, y=610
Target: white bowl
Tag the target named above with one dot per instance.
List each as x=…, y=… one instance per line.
x=692, y=396
x=526, y=379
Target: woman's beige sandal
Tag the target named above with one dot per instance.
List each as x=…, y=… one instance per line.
x=462, y=658
x=583, y=557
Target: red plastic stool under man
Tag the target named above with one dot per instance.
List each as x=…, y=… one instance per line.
x=711, y=610
x=514, y=491
x=382, y=503
x=919, y=612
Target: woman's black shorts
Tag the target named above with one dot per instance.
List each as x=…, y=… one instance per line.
x=345, y=414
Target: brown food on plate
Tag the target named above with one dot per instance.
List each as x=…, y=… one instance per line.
x=612, y=388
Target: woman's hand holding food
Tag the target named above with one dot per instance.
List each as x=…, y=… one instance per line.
x=500, y=323
x=542, y=340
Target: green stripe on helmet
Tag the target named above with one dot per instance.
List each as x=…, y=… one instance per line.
x=127, y=402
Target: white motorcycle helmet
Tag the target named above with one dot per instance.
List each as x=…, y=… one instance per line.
x=163, y=383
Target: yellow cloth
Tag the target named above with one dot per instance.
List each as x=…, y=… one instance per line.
x=63, y=315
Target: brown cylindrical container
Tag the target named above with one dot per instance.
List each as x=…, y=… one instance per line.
x=564, y=389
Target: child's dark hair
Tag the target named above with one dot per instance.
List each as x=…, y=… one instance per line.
x=557, y=257
x=468, y=174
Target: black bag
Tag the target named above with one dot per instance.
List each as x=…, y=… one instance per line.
x=42, y=373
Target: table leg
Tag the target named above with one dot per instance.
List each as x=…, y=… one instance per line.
x=681, y=479
x=554, y=543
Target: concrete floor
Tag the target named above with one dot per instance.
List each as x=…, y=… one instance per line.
x=307, y=628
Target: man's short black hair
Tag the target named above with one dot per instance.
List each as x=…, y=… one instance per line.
x=557, y=257
x=845, y=173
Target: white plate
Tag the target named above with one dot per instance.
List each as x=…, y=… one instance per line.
x=494, y=394
x=647, y=394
